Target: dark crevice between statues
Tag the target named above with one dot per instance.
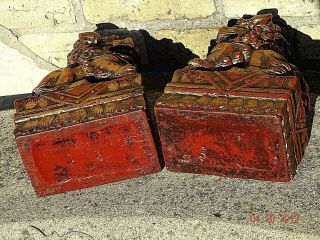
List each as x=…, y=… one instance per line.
x=159, y=59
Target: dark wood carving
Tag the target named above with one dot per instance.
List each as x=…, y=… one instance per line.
x=255, y=43
x=86, y=124
x=93, y=57
x=241, y=111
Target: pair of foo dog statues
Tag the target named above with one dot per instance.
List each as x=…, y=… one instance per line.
x=256, y=43
x=240, y=112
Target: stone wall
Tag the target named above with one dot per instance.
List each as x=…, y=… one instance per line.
x=36, y=35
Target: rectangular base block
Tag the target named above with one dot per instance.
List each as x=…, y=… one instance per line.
x=224, y=144
x=89, y=154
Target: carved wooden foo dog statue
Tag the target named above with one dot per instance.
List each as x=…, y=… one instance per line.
x=241, y=112
x=86, y=124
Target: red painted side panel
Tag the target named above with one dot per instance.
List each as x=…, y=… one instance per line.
x=225, y=144
x=89, y=154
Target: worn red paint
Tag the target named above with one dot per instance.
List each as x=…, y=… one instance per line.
x=85, y=136
x=226, y=126
x=89, y=154
x=223, y=144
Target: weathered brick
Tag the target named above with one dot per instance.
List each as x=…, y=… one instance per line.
x=197, y=40
x=106, y=10
x=52, y=47
x=35, y=13
x=236, y=8
x=313, y=32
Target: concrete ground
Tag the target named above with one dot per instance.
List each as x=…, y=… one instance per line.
x=162, y=206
